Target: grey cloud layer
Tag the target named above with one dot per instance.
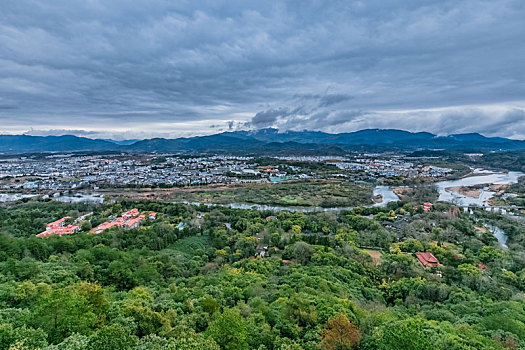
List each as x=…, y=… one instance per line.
x=172, y=68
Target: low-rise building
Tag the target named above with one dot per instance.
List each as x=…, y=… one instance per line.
x=59, y=227
x=104, y=226
x=127, y=220
x=427, y=259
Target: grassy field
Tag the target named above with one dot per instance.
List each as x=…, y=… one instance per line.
x=191, y=245
x=297, y=193
x=322, y=193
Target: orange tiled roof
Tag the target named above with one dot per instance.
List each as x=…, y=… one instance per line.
x=427, y=259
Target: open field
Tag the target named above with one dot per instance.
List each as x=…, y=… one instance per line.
x=321, y=193
x=375, y=255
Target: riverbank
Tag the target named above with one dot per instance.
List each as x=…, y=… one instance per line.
x=476, y=190
x=469, y=191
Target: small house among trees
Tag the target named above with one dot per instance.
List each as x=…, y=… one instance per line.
x=427, y=259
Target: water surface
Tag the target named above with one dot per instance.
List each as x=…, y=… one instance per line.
x=483, y=178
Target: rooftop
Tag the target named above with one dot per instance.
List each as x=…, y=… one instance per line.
x=427, y=259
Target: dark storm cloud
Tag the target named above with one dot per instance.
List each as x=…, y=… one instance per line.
x=157, y=67
x=328, y=100
x=269, y=117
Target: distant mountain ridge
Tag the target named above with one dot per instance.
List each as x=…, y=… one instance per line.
x=375, y=137
x=266, y=141
x=121, y=142
x=27, y=143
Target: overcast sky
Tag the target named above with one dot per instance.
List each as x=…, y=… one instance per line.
x=136, y=69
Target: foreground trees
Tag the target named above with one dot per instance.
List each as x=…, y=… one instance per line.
x=199, y=286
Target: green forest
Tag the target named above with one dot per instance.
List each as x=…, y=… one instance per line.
x=333, y=281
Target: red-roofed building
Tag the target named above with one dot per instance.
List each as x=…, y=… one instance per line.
x=67, y=230
x=57, y=228
x=128, y=220
x=57, y=223
x=427, y=206
x=427, y=259
x=133, y=223
x=130, y=213
x=152, y=216
x=104, y=226
x=129, y=224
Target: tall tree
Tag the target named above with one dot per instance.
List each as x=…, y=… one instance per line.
x=229, y=331
x=340, y=334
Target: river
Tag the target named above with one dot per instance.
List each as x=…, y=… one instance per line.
x=384, y=191
x=81, y=197
x=263, y=207
x=499, y=234
x=482, y=177
x=387, y=195
x=76, y=198
x=11, y=197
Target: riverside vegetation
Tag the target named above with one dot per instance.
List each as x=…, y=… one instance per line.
x=321, y=193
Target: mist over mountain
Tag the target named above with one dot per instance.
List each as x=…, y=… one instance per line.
x=267, y=141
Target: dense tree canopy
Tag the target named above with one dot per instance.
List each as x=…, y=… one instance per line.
x=346, y=280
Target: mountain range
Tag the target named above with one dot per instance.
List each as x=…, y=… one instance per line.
x=266, y=142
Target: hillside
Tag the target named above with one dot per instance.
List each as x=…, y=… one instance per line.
x=267, y=142
x=66, y=143
x=387, y=138
x=190, y=279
